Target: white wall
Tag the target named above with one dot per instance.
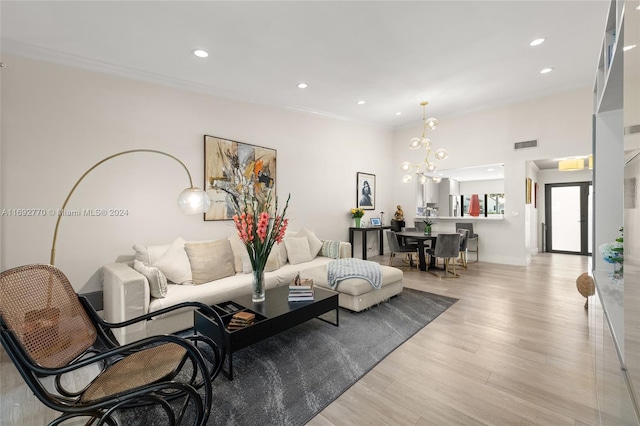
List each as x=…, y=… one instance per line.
x=560, y=123
x=493, y=186
x=58, y=121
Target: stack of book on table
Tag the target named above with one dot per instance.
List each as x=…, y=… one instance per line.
x=300, y=293
x=301, y=290
x=241, y=320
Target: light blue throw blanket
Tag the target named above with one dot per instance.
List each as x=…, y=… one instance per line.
x=342, y=269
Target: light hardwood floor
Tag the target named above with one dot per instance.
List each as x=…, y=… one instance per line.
x=514, y=350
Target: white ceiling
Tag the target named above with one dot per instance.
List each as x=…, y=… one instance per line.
x=458, y=55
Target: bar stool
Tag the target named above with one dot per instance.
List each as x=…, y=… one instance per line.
x=473, y=238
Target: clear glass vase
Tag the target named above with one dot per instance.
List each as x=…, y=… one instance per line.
x=258, y=286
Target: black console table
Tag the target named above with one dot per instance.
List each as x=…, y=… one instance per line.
x=364, y=232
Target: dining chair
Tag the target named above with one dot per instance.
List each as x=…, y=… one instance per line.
x=464, y=239
x=473, y=245
x=447, y=248
x=395, y=247
x=50, y=333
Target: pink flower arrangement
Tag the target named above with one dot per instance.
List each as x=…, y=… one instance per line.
x=258, y=228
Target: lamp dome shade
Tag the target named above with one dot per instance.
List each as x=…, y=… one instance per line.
x=194, y=201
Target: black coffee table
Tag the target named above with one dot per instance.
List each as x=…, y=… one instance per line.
x=275, y=315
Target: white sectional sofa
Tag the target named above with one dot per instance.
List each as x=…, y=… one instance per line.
x=130, y=292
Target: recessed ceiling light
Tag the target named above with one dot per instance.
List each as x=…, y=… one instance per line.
x=302, y=85
x=200, y=53
x=546, y=70
x=440, y=174
x=361, y=102
x=631, y=46
x=638, y=7
x=398, y=113
x=490, y=170
x=537, y=41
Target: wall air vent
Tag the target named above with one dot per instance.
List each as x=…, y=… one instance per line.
x=526, y=144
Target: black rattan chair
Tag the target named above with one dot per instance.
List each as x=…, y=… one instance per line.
x=49, y=331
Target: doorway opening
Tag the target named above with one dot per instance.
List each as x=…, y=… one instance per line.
x=568, y=216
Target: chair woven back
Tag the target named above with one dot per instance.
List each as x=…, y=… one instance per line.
x=41, y=309
x=447, y=245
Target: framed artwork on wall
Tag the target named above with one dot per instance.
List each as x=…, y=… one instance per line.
x=528, y=191
x=366, y=191
x=232, y=169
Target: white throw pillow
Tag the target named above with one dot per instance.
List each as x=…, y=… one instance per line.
x=298, y=250
x=210, y=260
x=282, y=250
x=175, y=263
x=157, y=280
x=314, y=242
x=150, y=254
x=240, y=256
x=273, y=261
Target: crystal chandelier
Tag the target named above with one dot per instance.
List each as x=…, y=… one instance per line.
x=422, y=142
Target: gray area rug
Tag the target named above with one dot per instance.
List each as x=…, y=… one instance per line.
x=289, y=378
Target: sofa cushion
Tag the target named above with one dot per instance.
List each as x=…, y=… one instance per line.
x=150, y=254
x=174, y=263
x=330, y=249
x=157, y=280
x=282, y=249
x=298, y=250
x=210, y=260
x=240, y=255
x=314, y=242
x=273, y=261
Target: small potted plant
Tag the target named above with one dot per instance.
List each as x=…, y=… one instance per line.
x=357, y=214
x=427, y=227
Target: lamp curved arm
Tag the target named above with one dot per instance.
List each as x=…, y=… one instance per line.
x=66, y=200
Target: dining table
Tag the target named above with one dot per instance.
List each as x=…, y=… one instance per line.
x=420, y=238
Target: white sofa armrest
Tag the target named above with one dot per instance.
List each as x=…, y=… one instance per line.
x=345, y=249
x=126, y=296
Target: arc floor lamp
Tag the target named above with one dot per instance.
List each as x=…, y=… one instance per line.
x=192, y=200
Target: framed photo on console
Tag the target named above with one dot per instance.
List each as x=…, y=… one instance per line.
x=375, y=221
x=366, y=191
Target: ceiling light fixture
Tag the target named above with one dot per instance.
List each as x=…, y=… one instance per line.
x=571, y=164
x=537, y=42
x=546, y=70
x=302, y=85
x=200, y=53
x=361, y=102
x=422, y=142
x=631, y=46
x=398, y=113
